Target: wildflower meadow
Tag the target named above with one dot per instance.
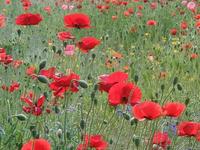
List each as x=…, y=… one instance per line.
x=99, y=75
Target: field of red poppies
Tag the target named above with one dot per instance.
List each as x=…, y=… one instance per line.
x=99, y=74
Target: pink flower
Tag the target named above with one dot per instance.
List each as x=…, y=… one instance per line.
x=47, y=9
x=64, y=7
x=7, y=1
x=184, y=3
x=69, y=50
x=71, y=7
x=191, y=6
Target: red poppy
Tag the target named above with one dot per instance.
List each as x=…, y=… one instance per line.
x=197, y=24
x=63, y=36
x=107, y=81
x=87, y=43
x=33, y=108
x=126, y=14
x=148, y=109
x=13, y=87
x=62, y=84
x=26, y=4
x=30, y=71
x=2, y=21
x=49, y=73
x=184, y=25
x=173, y=31
x=123, y=93
x=161, y=139
x=173, y=109
x=4, y=58
x=37, y=144
x=28, y=19
x=151, y=23
x=93, y=141
x=77, y=20
x=197, y=17
x=17, y=63
x=188, y=128
x=194, y=56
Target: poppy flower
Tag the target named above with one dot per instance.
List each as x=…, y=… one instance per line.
x=197, y=24
x=77, y=20
x=123, y=93
x=4, y=58
x=126, y=14
x=173, y=109
x=13, y=87
x=63, y=36
x=173, y=31
x=87, y=43
x=93, y=141
x=28, y=19
x=17, y=63
x=194, y=56
x=30, y=71
x=188, y=128
x=191, y=6
x=33, y=108
x=49, y=73
x=2, y=21
x=7, y=1
x=184, y=25
x=36, y=144
x=161, y=139
x=147, y=110
x=151, y=23
x=26, y=4
x=107, y=81
x=69, y=50
x=65, y=83
x=47, y=9
x=197, y=17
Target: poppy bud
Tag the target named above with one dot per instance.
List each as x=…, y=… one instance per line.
x=93, y=95
x=68, y=135
x=126, y=116
x=83, y=84
x=59, y=133
x=179, y=87
x=82, y=124
x=43, y=79
x=95, y=101
x=111, y=141
x=57, y=110
x=187, y=101
x=136, y=141
x=136, y=78
x=21, y=117
x=34, y=132
x=42, y=64
x=54, y=49
x=96, y=86
x=133, y=121
x=175, y=81
x=19, y=32
x=162, y=87
x=105, y=122
x=59, y=52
